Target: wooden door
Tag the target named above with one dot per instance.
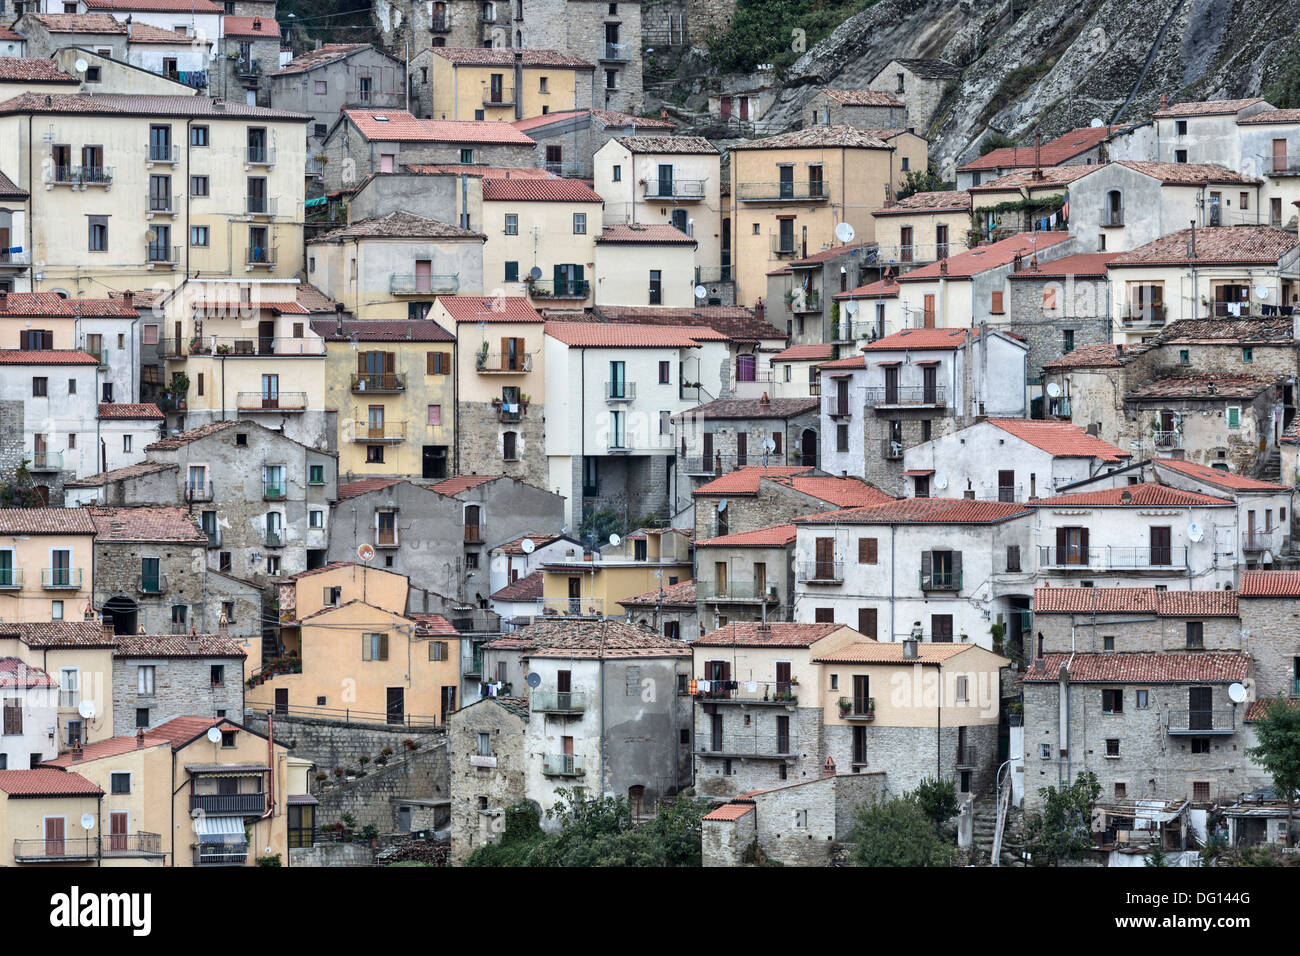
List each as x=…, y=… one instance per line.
x=117, y=832
x=930, y=385
x=396, y=705
x=54, y=845
x=575, y=595
x=1279, y=155
x=929, y=311
x=1161, y=552
x=423, y=275
x=742, y=449
x=941, y=628
x=891, y=385
x=825, y=558
x=783, y=677
x=1200, y=715
x=282, y=700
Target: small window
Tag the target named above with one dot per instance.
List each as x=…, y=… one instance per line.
x=618, y=173
x=198, y=185
x=1248, y=355
x=322, y=87
x=1112, y=700
x=1201, y=791
x=198, y=136
x=512, y=224
x=121, y=783
x=1045, y=751
x=467, y=156
x=199, y=236
x=1142, y=699
x=217, y=674
x=1200, y=745
x=1184, y=357
x=316, y=518
x=1112, y=746
x=1195, y=635
x=438, y=650
x=228, y=611
x=142, y=717
x=1180, y=127
x=241, y=439
x=1108, y=643
x=316, y=475
x=579, y=223
x=40, y=387
x=227, y=739
x=1180, y=156
x=1234, y=416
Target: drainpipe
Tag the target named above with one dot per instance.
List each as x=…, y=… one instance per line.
x=892, y=563
x=270, y=759
x=519, y=84
x=602, y=725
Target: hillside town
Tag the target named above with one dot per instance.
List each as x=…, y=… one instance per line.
x=796, y=476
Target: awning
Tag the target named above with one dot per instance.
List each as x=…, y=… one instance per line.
x=927, y=362
x=227, y=769
x=215, y=829
x=315, y=202
x=888, y=363
x=917, y=473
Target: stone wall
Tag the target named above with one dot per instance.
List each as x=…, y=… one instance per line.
x=479, y=793
x=724, y=842
x=1044, y=328
x=117, y=575
x=182, y=687
x=332, y=854
x=335, y=743
x=11, y=424
x=1141, y=633
x=478, y=433
x=911, y=754
x=665, y=23
x=706, y=16
x=757, y=738
x=1273, y=640
x=422, y=775
x=887, y=473
x=797, y=825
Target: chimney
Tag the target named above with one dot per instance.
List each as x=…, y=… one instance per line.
x=257, y=24
x=1038, y=143
x=128, y=299
x=193, y=635
x=765, y=400
x=943, y=267
x=223, y=626
x=910, y=650
x=1126, y=497
x=1119, y=350
x=759, y=310
x=1191, y=253
x=106, y=629
x=1164, y=100
x=1017, y=262
x=338, y=319
x=663, y=113
x=77, y=752
x=139, y=738
x=828, y=768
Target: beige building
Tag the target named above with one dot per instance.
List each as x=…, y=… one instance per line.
x=923, y=228
x=645, y=265
x=40, y=818
x=46, y=564
x=498, y=83
x=79, y=656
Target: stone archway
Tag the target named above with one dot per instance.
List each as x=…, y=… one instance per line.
x=123, y=613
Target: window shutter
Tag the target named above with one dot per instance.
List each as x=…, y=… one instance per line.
x=383, y=647
x=430, y=363
x=361, y=363
x=925, y=565
x=1062, y=546
x=726, y=670
x=1083, y=545
x=956, y=567
x=390, y=362
x=365, y=647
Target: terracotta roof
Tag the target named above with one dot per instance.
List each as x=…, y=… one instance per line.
x=151, y=524
x=397, y=225
x=435, y=625
x=313, y=299
x=943, y=200
x=1049, y=177
x=1187, y=174
x=932, y=339
x=1207, y=107
x=1214, y=476
x=30, y=68
x=59, y=633
x=332, y=566
x=681, y=594
x=879, y=289
x=1229, y=330
x=745, y=481
x=157, y=6
x=1060, y=439
x=592, y=639
x=104, y=23
x=8, y=34
x=1259, y=707
x=14, y=672
x=736, y=322
x=177, y=645
x=862, y=97
x=473, y=308
x=1051, y=153
x=1246, y=245
x=923, y=511
x=172, y=442
x=1144, y=495
x=773, y=634
x=37, y=303
x=130, y=410
x=461, y=483
x=1203, y=385
x=46, y=357
x=1079, y=264
x=992, y=256
x=180, y=731
x=544, y=189
x=1162, y=668
x=546, y=119
x=399, y=125
x=1135, y=601
x=802, y=353
x=640, y=234
x=365, y=485
x=729, y=812
x=615, y=118
x=1271, y=116
x=1270, y=584
x=674, y=145
x=139, y=469
x=626, y=335
x=1087, y=356
x=46, y=782
x=876, y=652
x=382, y=330
x=144, y=33
x=818, y=137
x=45, y=521
x=314, y=58
x=841, y=492
x=505, y=56
x=143, y=104
x=777, y=536
x=527, y=588
x=112, y=747
x=849, y=361
x=254, y=27
x=8, y=189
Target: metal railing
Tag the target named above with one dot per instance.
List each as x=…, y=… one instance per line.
x=563, y=289
x=558, y=702
x=563, y=765
x=440, y=24
x=1203, y=721
x=46, y=461
x=406, y=283
x=1117, y=559
x=261, y=256
x=214, y=537
x=907, y=395
x=268, y=345
x=571, y=607
x=810, y=301
x=571, y=170
x=11, y=577
x=1152, y=315
x=820, y=572
x=260, y=156
x=81, y=175
x=279, y=402
x=382, y=432
x=165, y=205
x=274, y=539
x=229, y=803
x=274, y=491
x=69, y=698
x=857, y=708
x=260, y=205
x=940, y=581
x=745, y=591
x=132, y=844
x=967, y=756
x=504, y=96
x=221, y=854
x=770, y=692
x=198, y=490
x=675, y=188
x=161, y=153
x=378, y=381
x=62, y=848
x=617, y=52
x=781, y=191
x=784, y=247
x=56, y=578
x=620, y=391
x=1167, y=439
x=489, y=362
x=152, y=584
x=1264, y=540
x=10, y=258
x=837, y=409
x=159, y=252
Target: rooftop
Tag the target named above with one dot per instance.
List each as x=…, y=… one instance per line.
x=1187, y=174
x=144, y=104
x=1219, y=245
x=880, y=288
x=777, y=536
x=943, y=200
x=461, y=483
x=681, y=594
x=735, y=322
x=250, y=27
x=745, y=481
x=1229, y=330
x=129, y=411
x=14, y=672
x=1060, y=439
x=382, y=330
x=1051, y=153
x=506, y=56
x=17, y=69
x=992, y=256
x=177, y=645
x=639, y=234
x=842, y=492
x=591, y=639
x=1135, y=601
x=1144, y=495
x=626, y=335
x=876, y=652
x=146, y=524
x=774, y=634
x=1049, y=177
x=527, y=588
x=50, y=634
x=1102, y=355
x=1142, y=668
x=538, y=189
x=314, y=58
x=923, y=511
x=666, y=145
x=818, y=137
x=1079, y=264
x=45, y=521
x=1214, y=476
x=733, y=408
x=473, y=308
x=398, y=225
x=1270, y=584
x=46, y=782
x=1206, y=107
x=401, y=126
x=803, y=353
x=1200, y=385
x=862, y=97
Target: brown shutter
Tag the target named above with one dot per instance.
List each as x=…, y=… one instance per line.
x=383, y=647
x=867, y=621
x=361, y=363
x=1062, y=546
x=430, y=363
x=925, y=566
x=505, y=354
x=390, y=362
x=726, y=670
x=956, y=569
x=1083, y=545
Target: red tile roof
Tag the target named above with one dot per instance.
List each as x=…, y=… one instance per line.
x=1144, y=495
x=142, y=104
x=29, y=68
x=484, y=172
x=8, y=189
x=172, y=442
x=7, y=34
x=1055, y=178
x=776, y=536
x=14, y=672
x=1270, y=584
x=130, y=410
x=433, y=625
x=540, y=540
x=1051, y=153
x=653, y=234
x=1163, y=668
x=818, y=137
x=1207, y=107
x=146, y=524
x=590, y=639
x=59, y=634
x=182, y=730
x=723, y=409
x=364, y=485
x=744, y=481
x=527, y=588
x=849, y=361
x=250, y=27
x=674, y=145
x=1187, y=174
x=461, y=483
x=1260, y=707
x=940, y=339
x=46, y=357
x=177, y=645
x=1271, y=116
x=542, y=189
x=992, y=256
x=51, y=304
x=875, y=652
x=803, y=353
x=922, y=511
x=505, y=56
x=775, y=634
x=399, y=125
x=1079, y=264
x=681, y=594
x=1060, y=439
x=841, y=492
x=615, y=118
x=862, y=97
x=1221, y=479
x=1135, y=601
x=881, y=288
x=46, y=782
x=1237, y=245
x=943, y=200
x=398, y=225
x=473, y=308
x=1088, y=356
x=729, y=812
x=156, y=6
x=143, y=33
x=1207, y=385
x=79, y=22
x=45, y=521
x=734, y=321
x=112, y=747
x=621, y=335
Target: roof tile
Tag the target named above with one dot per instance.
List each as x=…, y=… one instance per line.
x=1144, y=668
x=1144, y=495
x=1060, y=439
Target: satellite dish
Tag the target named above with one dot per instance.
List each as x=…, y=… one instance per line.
x=769, y=446
x=81, y=65
x=533, y=679
x=722, y=505
x=1053, y=390
x=615, y=540
x=366, y=552
x=88, y=819
x=527, y=546
x=1237, y=693
x=534, y=273
x=1261, y=292
x=844, y=232
x=941, y=482
x=86, y=709
x=851, y=307
x=700, y=292
x=1195, y=532
x=214, y=735
x=1097, y=122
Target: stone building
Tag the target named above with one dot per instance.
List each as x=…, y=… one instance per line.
x=157, y=677
x=334, y=77
x=746, y=577
x=485, y=741
x=865, y=109
x=919, y=84
x=249, y=52
x=808, y=301
x=758, y=498
x=670, y=610
x=1057, y=307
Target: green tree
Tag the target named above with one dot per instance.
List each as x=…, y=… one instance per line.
x=1278, y=752
x=995, y=140
x=1157, y=856
x=1283, y=91
x=1060, y=830
x=937, y=800
x=925, y=180
x=897, y=833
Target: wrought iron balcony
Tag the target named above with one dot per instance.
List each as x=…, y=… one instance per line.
x=1203, y=722
x=261, y=256
x=46, y=461
x=198, y=491
x=675, y=189
x=563, y=765
x=11, y=578
x=739, y=592
x=884, y=397
x=274, y=539
x=563, y=289
x=60, y=850
x=765, y=692
x=1167, y=439
x=80, y=176
x=940, y=581
x=1145, y=316
x=571, y=607
x=782, y=191
x=159, y=253
x=412, y=284
x=260, y=205
x=132, y=844
x=857, y=708
x=821, y=572
x=379, y=382
x=54, y=579
x=387, y=433
x=806, y=301
x=558, y=702
x=8, y=257
x=221, y=854
x=229, y=804
x=279, y=402
x=260, y=156
x=1268, y=540
x=503, y=96
x=617, y=52
x=162, y=205
x=1113, y=559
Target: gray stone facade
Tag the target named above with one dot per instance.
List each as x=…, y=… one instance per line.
x=1048, y=329
x=737, y=598
x=484, y=785
x=882, y=469
x=581, y=28
x=415, y=779
x=911, y=754
x=633, y=486
x=182, y=567
x=336, y=743
x=479, y=438
x=244, y=65
x=182, y=686
x=298, y=92
x=749, y=758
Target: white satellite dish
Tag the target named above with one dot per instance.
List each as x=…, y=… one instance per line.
x=366, y=552
x=941, y=482
x=1097, y=121
x=214, y=735
x=700, y=292
x=527, y=546
x=81, y=65
x=844, y=232
x=769, y=446
x=87, y=821
x=1237, y=693
x=1261, y=292
x=722, y=505
x=1053, y=390
x=535, y=273
x=86, y=709
x=1195, y=532
x=615, y=540
x=851, y=307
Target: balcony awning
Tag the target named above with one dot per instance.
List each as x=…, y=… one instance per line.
x=928, y=362
x=918, y=472
x=887, y=364
x=227, y=769
x=301, y=800
x=218, y=829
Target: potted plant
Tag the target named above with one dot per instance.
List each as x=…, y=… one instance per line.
x=381, y=760
x=370, y=833
x=340, y=772
x=846, y=705
x=871, y=707
x=386, y=752
x=999, y=632
x=363, y=760
x=481, y=360
x=410, y=744
x=223, y=350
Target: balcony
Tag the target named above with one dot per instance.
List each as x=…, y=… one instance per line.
x=8, y=257
x=162, y=206
x=11, y=578
x=784, y=247
x=571, y=607
x=891, y=449
x=380, y=382
x=221, y=854
x=278, y=345
x=388, y=538
x=132, y=844
x=1113, y=559
x=151, y=584
x=562, y=765
x=380, y=433
x=503, y=363
x=782, y=191
x=46, y=461
x=161, y=254
x=279, y=402
x=706, y=274
x=64, y=850
x=620, y=391
x=440, y=24
x=765, y=692
x=259, y=205
x=504, y=96
x=857, y=708
x=509, y=411
x=412, y=284
x=820, y=572
x=558, y=702
x=680, y=190
x=473, y=534
x=1112, y=219
x=260, y=257
x=274, y=539
x=940, y=581
x=810, y=301
x=739, y=592
x=907, y=395
x=82, y=176
x=1151, y=316
x=229, y=804
x=274, y=491
x=616, y=53
x=259, y=156
x=161, y=153
x=1203, y=722
x=198, y=490
x=59, y=579
x=1167, y=439
x=1267, y=540
x=569, y=170
x=563, y=289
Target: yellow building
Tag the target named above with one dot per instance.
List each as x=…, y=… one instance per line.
x=790, y=192
x=592, y=587
x=133, y=191
x=1019, y=201
x=924, y=227
x=46, y=564
x=500, y=83
x=41, y=812
x=335, y=584
x=78, y=656
x=391, y=379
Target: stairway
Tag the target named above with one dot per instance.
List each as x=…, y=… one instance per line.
x=984, y=824
x=1272, y=469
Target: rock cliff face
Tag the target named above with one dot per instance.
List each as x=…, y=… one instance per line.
x=1050, y=64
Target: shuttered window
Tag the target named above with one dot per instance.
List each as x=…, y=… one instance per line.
x=867, y=550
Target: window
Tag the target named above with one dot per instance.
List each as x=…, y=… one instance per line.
x=1234, y=416
x=374, y=454
x=1201, y=791
x=1045, y=751
x=664, y=373
x=996, y=305
x=467, y=156
x=316, y=475
x=437, y=363
x=374, y=647
x=199, y=236
x=618, y=173
x=40, y=387
x=611, y=79
x=198, y=136
x=438, y=651
x=227, y=739
x=1195, y=635
x=142, y=717
x=228, y=611
x=512, y=272
x=13, y=716
x=1180, y=127
x=241, y=439
x=1200, y=745
x=98, y=233
x=320, y=130
x=217, y=675
x=1067, y=341
x=509, y=443
x=1248, y=355
x=1112, y=746
x=1180, y=156
x=868, y=550
x=363, y=88
x=121, y=783
x=198, y=185
x=1244, y=201
x=512, y=224
x=1112, y=700
x=579, y=223
x=144, y=679
x=841, y=437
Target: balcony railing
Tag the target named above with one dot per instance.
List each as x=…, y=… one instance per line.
x=198, y=490
x=940, y=581
x=782, y=191
x=1114, y=559
x=279, y=402
x=907, y=395
x=162, y=205
x=837, y=409
x=764, y=692
x=274, y=539
x=569, y=170
x=571, y=607
x=274, y=491
x=675, y=188
x=505, y=96
x=161, y=153
x=261, y=256
x=157, y=253
x=46, y=461
x=784, y=247
x=503, y=362
x=1151, y=315
x=260, y=205
x=267, y=345
x=1206, y=721
x=891, y=449
x=221, y=854
x=382, y=432
x=379, y=382
x=473, y=534
x=620, y=391
x=739, y=591
x=810, y=301
x=562, y=765
x=821, y=572
x=152, y=584
x=56, y=850
x=388, y=538
x=229, y=803
x=132, y=844
x=69, y=698
x=559, y=702
x=260, y=156
x=1112, y=219
x=1264, y=540
x=405, y=283
x=617, y=52
x=1167, y=439
x=53, y=579
x=857, y=708
x=10, y=258
x=81, y=175
x=563, y=289
x=11, y=578
x=440, y=24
